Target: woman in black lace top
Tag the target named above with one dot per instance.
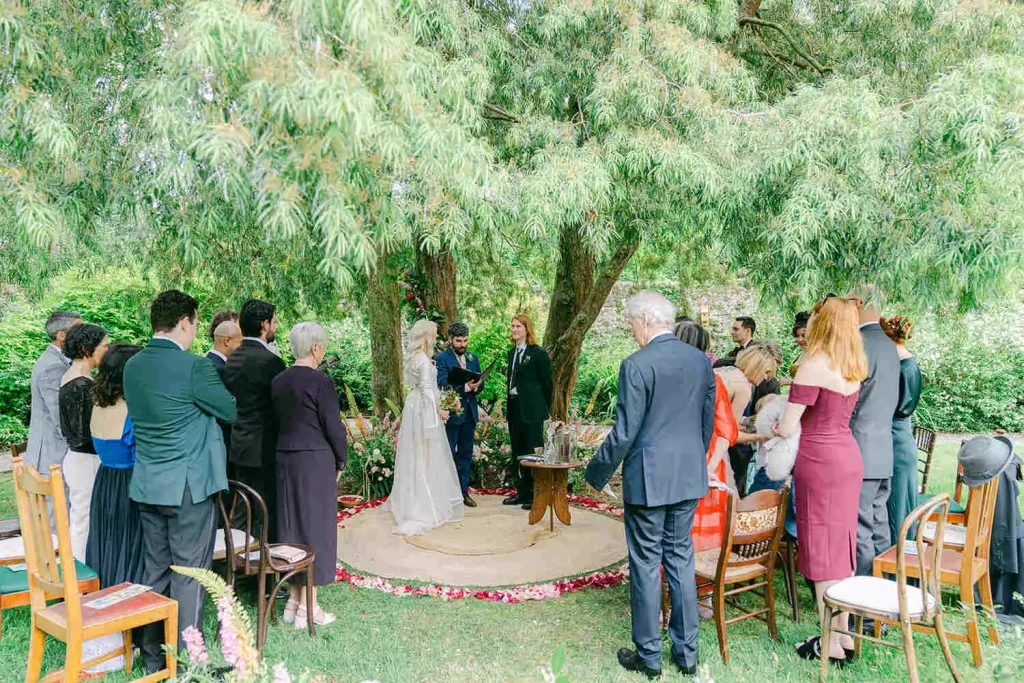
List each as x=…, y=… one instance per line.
x=85, y=345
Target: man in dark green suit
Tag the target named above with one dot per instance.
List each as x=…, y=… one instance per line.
x=175, y=399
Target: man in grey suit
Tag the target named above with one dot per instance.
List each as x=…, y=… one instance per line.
x=175, y=399
x=872, y=428
x=46, y=444
x=663, y=426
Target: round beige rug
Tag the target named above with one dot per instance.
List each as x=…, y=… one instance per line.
x=493, y=546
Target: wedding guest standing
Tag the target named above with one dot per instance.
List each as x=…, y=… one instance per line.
x=742, y=331
x=709, y=519
x=175, y=399
x=461, y=426
x=903, y=496
x=115, y=549
x=529, y=403
x=226, y=338
x=872, y=427
x=85, y=345
x=248, y=375
x=799, y=333
x=664, y=423
x=828, y=468
x=311, y=453
x=46, y=444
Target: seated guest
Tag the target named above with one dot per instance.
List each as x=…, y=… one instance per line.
x=115, y=548
x=248, y=374
x=755, y=365
x=175, y=399
x=85, y=345
x=226, y=338
x=311, y=453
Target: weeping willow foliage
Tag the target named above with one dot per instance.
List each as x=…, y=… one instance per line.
x=815, y=144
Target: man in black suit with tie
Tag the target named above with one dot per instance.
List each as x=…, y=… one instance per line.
x=249, y=372
x=529, y=402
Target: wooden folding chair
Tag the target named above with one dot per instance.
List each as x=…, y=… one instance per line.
x=884, y=600
x=925, y=439
x=54, y=573
x=966, y=566
x=12, y=527
x=753, y=529
x=260, y=562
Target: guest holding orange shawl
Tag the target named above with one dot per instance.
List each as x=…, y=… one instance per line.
x=709, y=518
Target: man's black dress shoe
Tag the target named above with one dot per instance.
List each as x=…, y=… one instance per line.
x=631, y=661
x=527, y=504
x=512, y=500
x=686, y=670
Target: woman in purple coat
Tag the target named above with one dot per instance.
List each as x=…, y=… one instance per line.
x=311, y=453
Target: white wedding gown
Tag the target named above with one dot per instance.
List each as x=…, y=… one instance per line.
x=426, y=492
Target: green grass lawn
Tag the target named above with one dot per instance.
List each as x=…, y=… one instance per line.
x=389, y=639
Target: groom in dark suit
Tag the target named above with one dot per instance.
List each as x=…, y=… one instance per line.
x=461, y=428
x=663, y=426
x=175, y=399
x=529, y=403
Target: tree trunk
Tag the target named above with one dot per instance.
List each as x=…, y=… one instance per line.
x=437, y=285
x=577, y=299
x=385, y=335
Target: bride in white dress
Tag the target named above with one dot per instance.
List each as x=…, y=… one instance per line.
x=426, y=492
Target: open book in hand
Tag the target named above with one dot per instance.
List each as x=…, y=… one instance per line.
x=458, y=376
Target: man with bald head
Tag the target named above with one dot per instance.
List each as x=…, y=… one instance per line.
x=227, y=337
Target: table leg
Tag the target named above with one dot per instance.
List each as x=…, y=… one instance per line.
x=560, y=496
x=541, y=495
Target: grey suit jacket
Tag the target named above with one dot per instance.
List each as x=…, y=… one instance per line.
x=872, y=417
x=664, y=420
x=46, y=444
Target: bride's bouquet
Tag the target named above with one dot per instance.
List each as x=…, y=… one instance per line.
x=451, y=402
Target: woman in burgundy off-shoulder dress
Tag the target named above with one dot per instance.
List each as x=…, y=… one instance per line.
x=829, y=469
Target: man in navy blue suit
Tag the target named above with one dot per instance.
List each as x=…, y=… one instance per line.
x=663, y=425
x=461, y=428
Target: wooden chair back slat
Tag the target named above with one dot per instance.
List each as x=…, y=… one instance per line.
x=51, y=572
x=753, y=529
x=242, y=497
x=929, y=554
x=925, y=439
x=18, y=449
x=981, y=505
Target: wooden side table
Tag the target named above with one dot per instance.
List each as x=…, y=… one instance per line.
x=551, y=490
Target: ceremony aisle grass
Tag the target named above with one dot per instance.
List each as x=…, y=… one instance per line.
x=389, y=639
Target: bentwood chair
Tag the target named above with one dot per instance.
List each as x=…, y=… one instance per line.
x=242, y=502
x=53, y=573
x=925, y=439
x=965, y=566
x=882, y=599
x=753, y=530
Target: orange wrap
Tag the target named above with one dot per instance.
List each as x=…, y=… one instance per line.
x=709, y=519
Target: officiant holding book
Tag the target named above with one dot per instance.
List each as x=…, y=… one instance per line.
x=456, y=365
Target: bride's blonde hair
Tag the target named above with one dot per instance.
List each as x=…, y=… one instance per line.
x=422, y=337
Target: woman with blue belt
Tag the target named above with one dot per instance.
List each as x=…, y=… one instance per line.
x=114, y=550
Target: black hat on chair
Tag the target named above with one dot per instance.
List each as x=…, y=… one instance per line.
x=984, y=457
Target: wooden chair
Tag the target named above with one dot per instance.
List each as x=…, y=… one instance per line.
x=261, y=561
x=965, y=567
x=925, y=439
x=54, y=573
x=788, y=549
x=753, y=529
x=12, y=527
x=884, y=600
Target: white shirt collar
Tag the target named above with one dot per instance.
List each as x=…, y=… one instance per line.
x=660, y=334
x=63, y=356
x=258, y=339
x=520, y=347
x=219, y=354
x=160, y=336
